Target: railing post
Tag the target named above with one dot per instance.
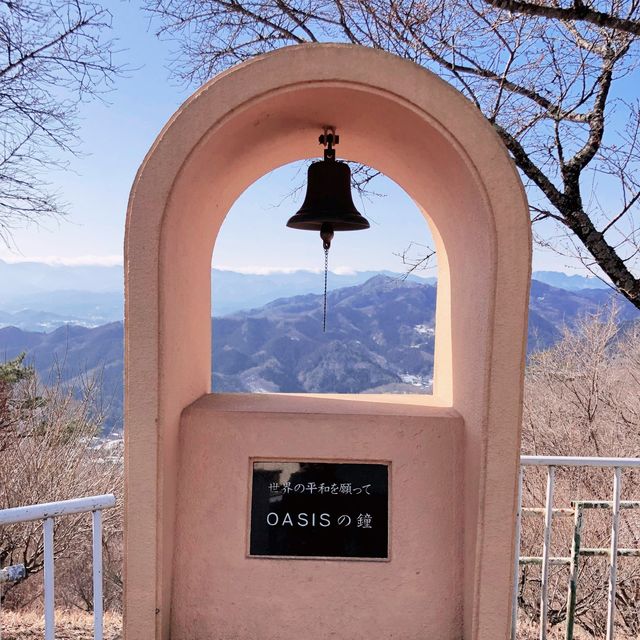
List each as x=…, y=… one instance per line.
x=573, y=571
x=46, y=513
x=613, y=556
x=546, y=548
x=516, y=567
x=97, y=575
x=49, y=594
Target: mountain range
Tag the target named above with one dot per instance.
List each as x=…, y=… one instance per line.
x=35, y=296
x=379, y=338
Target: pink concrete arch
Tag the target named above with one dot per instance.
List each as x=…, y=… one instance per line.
x=422, y=133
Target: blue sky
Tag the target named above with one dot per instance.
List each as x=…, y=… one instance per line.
x=117, y=133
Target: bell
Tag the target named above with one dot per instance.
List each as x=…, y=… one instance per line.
x=328, y=205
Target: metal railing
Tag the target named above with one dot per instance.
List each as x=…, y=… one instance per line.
x=47, y=513
x=96, y=504
x=577, y=551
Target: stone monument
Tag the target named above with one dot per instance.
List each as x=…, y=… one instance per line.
x=325, y=516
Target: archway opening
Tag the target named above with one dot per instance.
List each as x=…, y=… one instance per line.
x=267, y=294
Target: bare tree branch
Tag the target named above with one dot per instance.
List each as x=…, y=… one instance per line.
x=52, y=57
x=576, y=12
x=551, y=88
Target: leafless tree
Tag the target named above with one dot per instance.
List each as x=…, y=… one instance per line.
x=49, y=453
x=557, y=83
x=581, y=395
x=53, y=56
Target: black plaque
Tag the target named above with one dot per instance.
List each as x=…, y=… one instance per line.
x=320, y=510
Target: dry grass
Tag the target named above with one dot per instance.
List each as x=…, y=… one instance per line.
x=79, y=626
x=17, y=625
x=530, y=631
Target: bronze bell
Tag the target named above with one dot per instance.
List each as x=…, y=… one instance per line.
x=328, y=205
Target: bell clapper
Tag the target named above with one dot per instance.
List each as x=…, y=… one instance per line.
x=326, y=233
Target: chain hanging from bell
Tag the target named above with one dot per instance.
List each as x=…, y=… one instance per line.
x=328, y=206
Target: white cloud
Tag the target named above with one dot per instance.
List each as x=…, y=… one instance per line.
x=266, y=271
x=344, y=271
x=263, y=271
x=70, y=261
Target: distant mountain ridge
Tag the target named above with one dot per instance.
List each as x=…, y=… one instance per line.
x=75, y=354
x=380, y=337
x=27, y=278
x=41, y=297
x=569, y=282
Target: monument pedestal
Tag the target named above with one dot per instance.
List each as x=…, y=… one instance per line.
x=221, y=592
